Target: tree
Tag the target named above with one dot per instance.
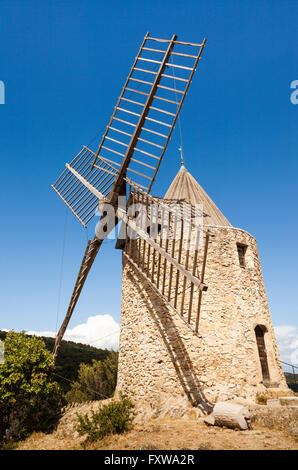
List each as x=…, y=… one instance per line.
x=29, y=396
x=96, y=381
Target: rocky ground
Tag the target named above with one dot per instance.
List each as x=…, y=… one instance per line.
x=272, y=428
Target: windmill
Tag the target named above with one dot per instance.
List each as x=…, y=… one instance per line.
x=125, y=166
x=174, y=342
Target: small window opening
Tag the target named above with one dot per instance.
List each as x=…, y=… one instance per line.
x=241, y=253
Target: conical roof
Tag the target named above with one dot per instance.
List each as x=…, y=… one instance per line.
x=185, y=188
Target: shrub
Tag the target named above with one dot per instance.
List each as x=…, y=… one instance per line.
x=96, y=381
x=29, y=396
x=111, y=418
x=261, y=399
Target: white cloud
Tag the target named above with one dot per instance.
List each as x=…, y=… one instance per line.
x=101, y=331
x=287, y=338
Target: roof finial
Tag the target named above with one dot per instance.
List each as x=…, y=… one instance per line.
x=182, y=157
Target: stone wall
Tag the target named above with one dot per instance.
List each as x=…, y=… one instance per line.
x=161, y=359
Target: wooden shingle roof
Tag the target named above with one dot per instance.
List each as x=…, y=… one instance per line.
x=184, y=187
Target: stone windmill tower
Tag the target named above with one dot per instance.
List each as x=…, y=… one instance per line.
x=195, y=322
x=234, y=354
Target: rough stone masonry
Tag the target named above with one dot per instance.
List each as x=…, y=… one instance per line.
x=160, y=359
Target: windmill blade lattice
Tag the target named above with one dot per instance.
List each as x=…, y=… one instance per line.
x=131, y=150
x=157, y=252
x=82, y=185
x=146, y=112
x=139, y=129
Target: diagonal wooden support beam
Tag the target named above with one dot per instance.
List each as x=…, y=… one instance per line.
x=121, y=214
x=91, y=188
x=141, y=122
x=88, y=258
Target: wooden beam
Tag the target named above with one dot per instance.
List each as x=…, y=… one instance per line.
x=91, y=188
x=141, y=121
x=202, y=279
x=121, y=214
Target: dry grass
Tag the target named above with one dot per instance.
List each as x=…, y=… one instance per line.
x=173, y=434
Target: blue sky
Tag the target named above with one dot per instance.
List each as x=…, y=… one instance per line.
x=64, y=64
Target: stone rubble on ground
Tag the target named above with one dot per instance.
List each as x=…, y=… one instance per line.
x=230, y=415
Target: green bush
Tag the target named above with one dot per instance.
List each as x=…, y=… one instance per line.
x=96, y=381
x=112, y=418
x=30, y=398
x=261, y=399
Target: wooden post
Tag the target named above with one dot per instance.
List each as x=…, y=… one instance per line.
x=202, y=279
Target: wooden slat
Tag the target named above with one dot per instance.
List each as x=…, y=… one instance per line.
x=122, y=93
x=179, y=66
x=128, y=111
x=128, y=169
x=184, y=55
x=83, y=161
x=202, y=278
x=179, y=261
x=124, y=122
x=117, y=141
x=93, y=182
x=161, y=245
x=170, y=89
x=121, y=132
x=66, y=203
x=186, y=267
x=150, y=60
x=143, y=163
x=192, y=284
x=156, y=39
x=176, y=78
x=150, y=143
x=162, y=111
x=141, y=81
x=122, y=215
x=91, y=188
x=137, y=91
x=79, y=154
x=179, y=108
x=153, y=50
x=154, y=132
x=73, y=183
x=107, y=171
x=145, y=71
x=141, y=121
x=158, y=122
x=146, y=153
x=187, y=43
x=113, y=151
x=173, y=254
x=134, y=102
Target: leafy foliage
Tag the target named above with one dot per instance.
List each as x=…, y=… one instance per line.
x=292, y=381
x=96, y=381
x=70, y=356
x=29, y=396
x=112, y=418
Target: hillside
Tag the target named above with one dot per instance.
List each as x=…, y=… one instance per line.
x=71, y=355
